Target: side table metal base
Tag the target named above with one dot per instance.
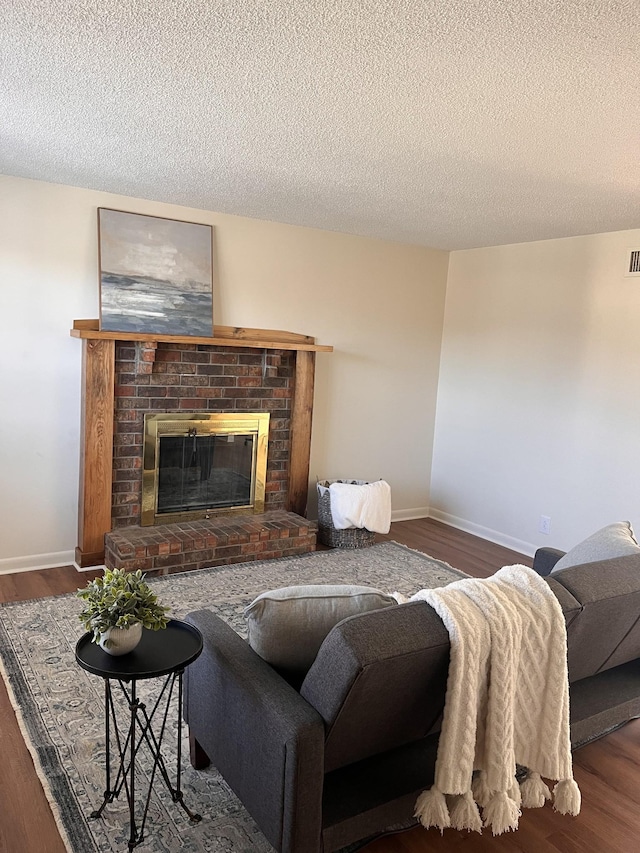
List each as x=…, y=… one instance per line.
x=139, y=732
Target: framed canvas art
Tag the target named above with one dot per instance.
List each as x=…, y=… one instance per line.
x=156, y=274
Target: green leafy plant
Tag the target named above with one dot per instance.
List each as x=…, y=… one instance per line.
x=119, y=599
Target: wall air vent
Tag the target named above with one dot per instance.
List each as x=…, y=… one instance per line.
x=633, y=262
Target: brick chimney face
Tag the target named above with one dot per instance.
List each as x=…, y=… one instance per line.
x=197, y=378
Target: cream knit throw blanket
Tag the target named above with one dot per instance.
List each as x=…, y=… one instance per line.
x=507, y=701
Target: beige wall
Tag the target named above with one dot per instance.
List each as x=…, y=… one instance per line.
x=537, y=414
x=380, y=304
x=538, y=406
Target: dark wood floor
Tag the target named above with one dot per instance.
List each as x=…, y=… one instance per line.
x=607, y=771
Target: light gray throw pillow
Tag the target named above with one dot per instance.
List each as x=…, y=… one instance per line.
x=614, y=540
x=287, y=626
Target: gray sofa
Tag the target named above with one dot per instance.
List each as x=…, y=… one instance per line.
x=345, y=756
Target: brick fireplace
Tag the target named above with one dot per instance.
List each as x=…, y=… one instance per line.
x=239, y=370
x=189, y=378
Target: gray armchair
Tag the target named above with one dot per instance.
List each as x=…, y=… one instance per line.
x=346, y=755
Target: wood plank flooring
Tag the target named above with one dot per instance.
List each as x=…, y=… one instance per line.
x=607, y=771
x=26, y=821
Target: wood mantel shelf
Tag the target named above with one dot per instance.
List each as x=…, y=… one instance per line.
x=98, y=375
x=223, y=336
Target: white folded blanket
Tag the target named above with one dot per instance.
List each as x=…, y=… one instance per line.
x=367, y=505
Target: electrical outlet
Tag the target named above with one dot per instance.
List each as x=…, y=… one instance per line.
x=545, y=524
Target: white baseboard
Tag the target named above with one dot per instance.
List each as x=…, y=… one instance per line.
x=87, y=568
x=484, y=532
x=410, y=514
x=10, y=565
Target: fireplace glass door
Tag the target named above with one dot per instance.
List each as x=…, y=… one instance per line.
x=196, y=466
x=200, y=472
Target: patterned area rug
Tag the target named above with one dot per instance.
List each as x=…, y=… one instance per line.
x=60, y=705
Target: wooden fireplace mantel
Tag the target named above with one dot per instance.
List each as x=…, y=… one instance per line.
x=98, y=398
x=236, y=336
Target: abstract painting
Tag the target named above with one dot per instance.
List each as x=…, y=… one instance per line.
x=156, y=274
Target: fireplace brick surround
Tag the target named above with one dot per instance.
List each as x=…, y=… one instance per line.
x=126, y=375
x=188, y=378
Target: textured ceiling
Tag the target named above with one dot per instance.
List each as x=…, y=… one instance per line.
x=443, y=123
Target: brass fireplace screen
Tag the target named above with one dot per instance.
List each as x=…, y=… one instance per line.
x=198, y=465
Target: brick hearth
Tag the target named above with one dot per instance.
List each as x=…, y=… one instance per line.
x=215, y=542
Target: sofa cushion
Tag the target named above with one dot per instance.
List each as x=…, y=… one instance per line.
x=605, y=632
x=287, y=626
x=614, y=540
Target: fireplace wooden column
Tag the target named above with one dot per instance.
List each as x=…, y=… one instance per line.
x=301, y=416
x=94, y=515
x=96, y=451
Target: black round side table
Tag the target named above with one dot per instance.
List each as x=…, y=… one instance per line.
x=160, y=653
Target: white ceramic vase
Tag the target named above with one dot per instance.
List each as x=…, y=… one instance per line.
x=119, y=641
